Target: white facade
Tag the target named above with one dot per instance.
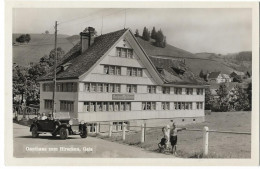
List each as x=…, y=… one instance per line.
x=91, y=106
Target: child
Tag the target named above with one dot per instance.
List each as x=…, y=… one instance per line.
x=173, y=137
x=163, y=144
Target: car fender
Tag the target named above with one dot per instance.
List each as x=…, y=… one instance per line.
x=59, y=127
x=32, y=125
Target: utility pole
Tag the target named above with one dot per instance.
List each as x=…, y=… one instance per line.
x=55, y=65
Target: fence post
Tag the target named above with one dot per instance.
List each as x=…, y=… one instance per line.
x=110, y=129
x=206, y=141
x=123, y=131
x=142, y=133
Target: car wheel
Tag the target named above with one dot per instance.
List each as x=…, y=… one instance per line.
x=35, y=132
x=84, y=135
x=64, y=133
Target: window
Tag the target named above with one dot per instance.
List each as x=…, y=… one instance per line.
x=118, y=70
x=48, y=104
x=129, y=71
x=112, y=70
x=86, y=107
x=106, y=70
x=183, y=105
x=93, y=87
x=99, y=106
x=99, y=87
x=60, y=87
x=139, y=72
x=111, y=88
x=199, y=91
x=116, y=108
x=131, y=88
x=124, y=52
x=177, y=90
x=134, y=72
x=118, y=50
x=148, y=106
x=106, y=87
x=111, y=106
x=151, y=89
x=189, y=91
x=67, y=106
x=166, y=90
x=128, y=106
x=92, y=106
x=199, y=105
x=117, y=89
x=130, y=53
x=87, y=87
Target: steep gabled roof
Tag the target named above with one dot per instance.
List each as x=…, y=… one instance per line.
x=168, y=70
x=213, y=75
x=172, y=71
x=81, y=63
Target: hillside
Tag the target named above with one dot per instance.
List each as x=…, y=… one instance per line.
x=195, y=62
x=40, y=45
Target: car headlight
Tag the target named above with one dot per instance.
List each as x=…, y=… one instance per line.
x=82, y=122
x=71, y=122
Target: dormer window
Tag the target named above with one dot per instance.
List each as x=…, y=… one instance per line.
x=65, y=66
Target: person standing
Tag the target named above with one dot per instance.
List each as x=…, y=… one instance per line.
x=173, y=137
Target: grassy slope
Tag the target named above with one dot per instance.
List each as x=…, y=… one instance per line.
x=24, y=54
x=194, y=62
x=190, y=142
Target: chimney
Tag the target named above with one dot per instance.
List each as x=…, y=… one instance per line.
x=87, y=38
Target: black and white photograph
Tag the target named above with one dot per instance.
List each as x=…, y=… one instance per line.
x=109, y=82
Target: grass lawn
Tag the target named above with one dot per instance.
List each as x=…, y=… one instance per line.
x=221, y=145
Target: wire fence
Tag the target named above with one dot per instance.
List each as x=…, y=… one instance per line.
x=124, y=128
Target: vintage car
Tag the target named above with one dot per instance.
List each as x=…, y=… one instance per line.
x=61, y=124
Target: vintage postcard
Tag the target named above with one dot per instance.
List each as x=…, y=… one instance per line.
x=132, y=83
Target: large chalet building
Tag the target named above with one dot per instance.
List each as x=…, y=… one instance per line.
x=110, y=78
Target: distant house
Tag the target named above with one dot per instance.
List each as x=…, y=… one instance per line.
x=215, y=77
x=237, y=73
x=226, y=77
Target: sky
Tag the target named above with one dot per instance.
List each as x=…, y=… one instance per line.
x=216, y=30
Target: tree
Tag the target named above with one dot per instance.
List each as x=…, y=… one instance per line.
x=237, y=79
x=47, y=32
x=209, y=99
x=19, y=82
x=27, y=38
x=160, y=39
x=137, y=33
x=242, y=102
x=48, y=61
x=146, y=34
x=201, y=75
x=249, y=95
x=153, y=34
x=223, y=100
x=21, y=39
